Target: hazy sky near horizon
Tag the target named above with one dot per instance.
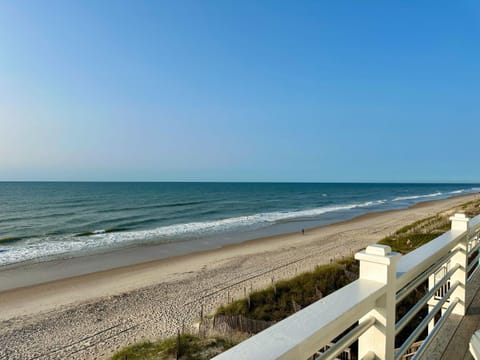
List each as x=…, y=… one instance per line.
x=240, y=90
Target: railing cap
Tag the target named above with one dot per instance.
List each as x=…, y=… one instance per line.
x=376, y=253
x=377, y=249
x=459, y=217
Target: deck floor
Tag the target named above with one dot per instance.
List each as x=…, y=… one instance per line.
x=453, y=339
x=458, y=346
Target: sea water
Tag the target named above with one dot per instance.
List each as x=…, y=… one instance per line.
x=45, y=220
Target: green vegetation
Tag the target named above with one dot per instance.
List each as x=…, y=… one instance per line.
x=189, y=347
x=420, y=232
x=417, y=234
x=278, y=301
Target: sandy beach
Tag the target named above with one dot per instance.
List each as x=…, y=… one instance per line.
x=49, y=311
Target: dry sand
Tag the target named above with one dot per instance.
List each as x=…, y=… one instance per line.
x=91, y=316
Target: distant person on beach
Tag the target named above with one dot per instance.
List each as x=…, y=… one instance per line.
x=303, y=231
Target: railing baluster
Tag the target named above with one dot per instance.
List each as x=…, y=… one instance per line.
x=423, y=301
x=347, y=339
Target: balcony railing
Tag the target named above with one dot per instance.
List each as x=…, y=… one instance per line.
x=369, y=303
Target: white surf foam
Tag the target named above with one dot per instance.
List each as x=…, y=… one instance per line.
x=58, y=245
x=400, y=198
x=53, y=246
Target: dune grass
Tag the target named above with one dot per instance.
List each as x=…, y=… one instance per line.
x=412, y=236
x=189, y=347
x=277, y=302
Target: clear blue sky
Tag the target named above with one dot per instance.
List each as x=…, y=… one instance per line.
x=240, y=90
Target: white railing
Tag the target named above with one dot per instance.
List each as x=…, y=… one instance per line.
x=369, y=303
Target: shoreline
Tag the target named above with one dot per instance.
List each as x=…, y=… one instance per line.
x=23, y=255
x=137, y=257
x=155, y=298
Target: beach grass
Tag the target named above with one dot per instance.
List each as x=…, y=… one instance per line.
x=420, y=232
x=188, y=347
x=285, y=297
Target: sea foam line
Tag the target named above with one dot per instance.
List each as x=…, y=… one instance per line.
x=37, y=248
x=240, y=221
x=455, y=192
x=417, y=196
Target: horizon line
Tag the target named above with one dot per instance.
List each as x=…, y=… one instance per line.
x=250, y=181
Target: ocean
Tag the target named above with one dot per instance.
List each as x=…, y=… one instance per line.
x=47, y=220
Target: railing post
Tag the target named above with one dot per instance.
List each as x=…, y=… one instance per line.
x=378, y=263
x=460, y=223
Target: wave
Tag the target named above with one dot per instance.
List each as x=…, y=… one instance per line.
x=101, y=237
x=214, y=226
x=156, y=206
x=248, y=220
x=104, y=238
x=436, y=194
x=35, y=217
x=100, y=231
x=400, y=198
x=47, y=248
x=10, y=239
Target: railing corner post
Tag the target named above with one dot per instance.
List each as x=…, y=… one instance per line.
x=378, y=263
x=460, y=222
